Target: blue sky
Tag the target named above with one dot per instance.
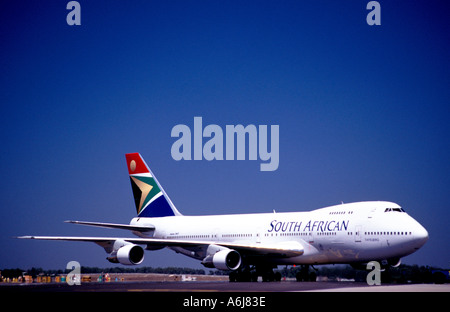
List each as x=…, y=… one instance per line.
x=363, y=113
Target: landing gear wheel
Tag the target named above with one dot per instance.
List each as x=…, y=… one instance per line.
x=250, y=274
x=277, y=277
x=305, y=276
x=268, y=276
x=241, y=275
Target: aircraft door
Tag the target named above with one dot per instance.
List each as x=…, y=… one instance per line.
x=216, y=234
x=258, y=235
x=358, y=233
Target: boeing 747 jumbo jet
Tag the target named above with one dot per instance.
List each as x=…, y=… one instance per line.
x=251, y=245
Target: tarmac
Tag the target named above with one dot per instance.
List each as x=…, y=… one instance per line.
x=198, y=283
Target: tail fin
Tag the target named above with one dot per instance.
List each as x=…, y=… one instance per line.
x=150, y=199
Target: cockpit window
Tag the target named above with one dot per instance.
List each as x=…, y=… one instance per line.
x=394, y=209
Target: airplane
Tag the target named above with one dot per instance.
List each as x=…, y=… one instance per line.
x=252, y=245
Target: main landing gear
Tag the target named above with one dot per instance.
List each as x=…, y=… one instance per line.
x=251, y=274
x=304, y=275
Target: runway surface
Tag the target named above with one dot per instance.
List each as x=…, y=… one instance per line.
x=134, y=287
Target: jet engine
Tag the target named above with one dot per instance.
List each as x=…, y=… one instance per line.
x=222, y=258
x=126, y=253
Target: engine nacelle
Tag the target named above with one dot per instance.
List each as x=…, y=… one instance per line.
x=227, y=260
x=222, y=258
x=130, y=254
x=126, y=253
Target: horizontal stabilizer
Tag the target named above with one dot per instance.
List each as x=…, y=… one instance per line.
x=145, y=228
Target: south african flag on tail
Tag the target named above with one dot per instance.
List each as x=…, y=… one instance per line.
x=150, y=199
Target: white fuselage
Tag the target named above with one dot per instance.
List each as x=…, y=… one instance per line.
x=346, y=233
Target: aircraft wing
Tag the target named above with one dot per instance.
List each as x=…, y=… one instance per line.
x=114, y=225
x=105, y=242
x=285, y=249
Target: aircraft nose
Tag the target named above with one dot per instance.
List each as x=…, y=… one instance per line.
x=420, y=235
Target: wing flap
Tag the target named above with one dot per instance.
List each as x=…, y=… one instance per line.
x=283, y=249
